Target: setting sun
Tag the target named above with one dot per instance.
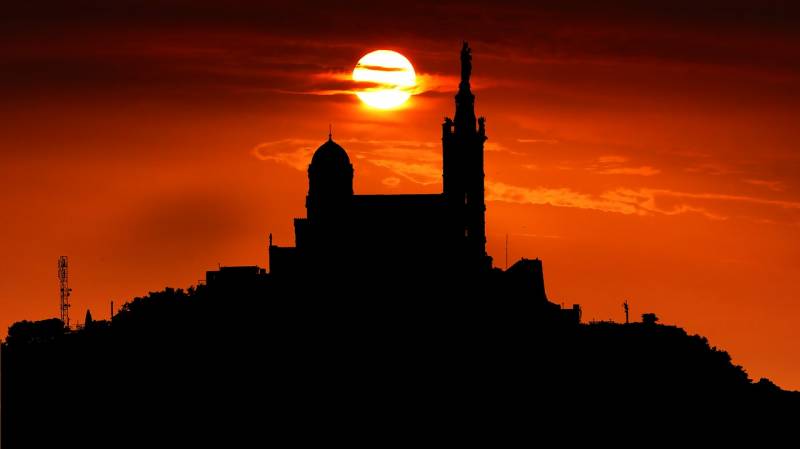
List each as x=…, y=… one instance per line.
x=388, y=78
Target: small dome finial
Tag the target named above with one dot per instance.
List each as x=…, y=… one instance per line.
x=330, y=131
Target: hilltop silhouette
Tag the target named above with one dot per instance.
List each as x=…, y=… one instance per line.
x=386, y=322
x=189, y=367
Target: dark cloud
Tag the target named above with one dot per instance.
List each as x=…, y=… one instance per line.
x=163, y=45
x=380, y=68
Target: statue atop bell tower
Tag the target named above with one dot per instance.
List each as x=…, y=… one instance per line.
x=465, y=100
x=466, y=63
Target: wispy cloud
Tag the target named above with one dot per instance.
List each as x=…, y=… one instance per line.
x=644, y=170
x=609, y=165
x=775, y=186
x=391, y=182
x=420, y=162
x=559, y=197
x=422, y=173
x=643, y=201
x=295, y=153
x=621, y=201
x=393, y=144
x=711, y=168
x=611, y=159
x=342, y=83
x=416, y=161
x=616, y=165
x=731, y=197
x=545, y=141
x=500, y=148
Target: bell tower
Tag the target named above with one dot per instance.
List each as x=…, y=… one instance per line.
x=463, y=176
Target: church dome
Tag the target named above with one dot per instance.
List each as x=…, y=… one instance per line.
x=330, y=181
x=330, y=153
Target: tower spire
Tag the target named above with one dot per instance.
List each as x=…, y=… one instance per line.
x=330, y=131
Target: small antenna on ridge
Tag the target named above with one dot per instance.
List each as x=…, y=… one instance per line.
x=506, y=251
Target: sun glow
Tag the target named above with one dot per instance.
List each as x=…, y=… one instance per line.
x=388, y=76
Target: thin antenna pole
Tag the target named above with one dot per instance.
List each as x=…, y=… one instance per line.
x=506, y=251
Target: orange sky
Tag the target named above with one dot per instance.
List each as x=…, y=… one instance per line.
x=644, y=153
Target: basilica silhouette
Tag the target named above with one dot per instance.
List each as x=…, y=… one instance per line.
x=409, y=234
x=363, y=244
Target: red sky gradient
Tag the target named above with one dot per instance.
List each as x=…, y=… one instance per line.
x=644, y=153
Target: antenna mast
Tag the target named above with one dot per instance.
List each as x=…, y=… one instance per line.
x=64, y=289
x=506, y=251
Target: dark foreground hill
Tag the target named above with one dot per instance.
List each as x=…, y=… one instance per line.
x=185, y=368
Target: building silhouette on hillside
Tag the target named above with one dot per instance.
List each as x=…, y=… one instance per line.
x=396, y=240
x=408, y=234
